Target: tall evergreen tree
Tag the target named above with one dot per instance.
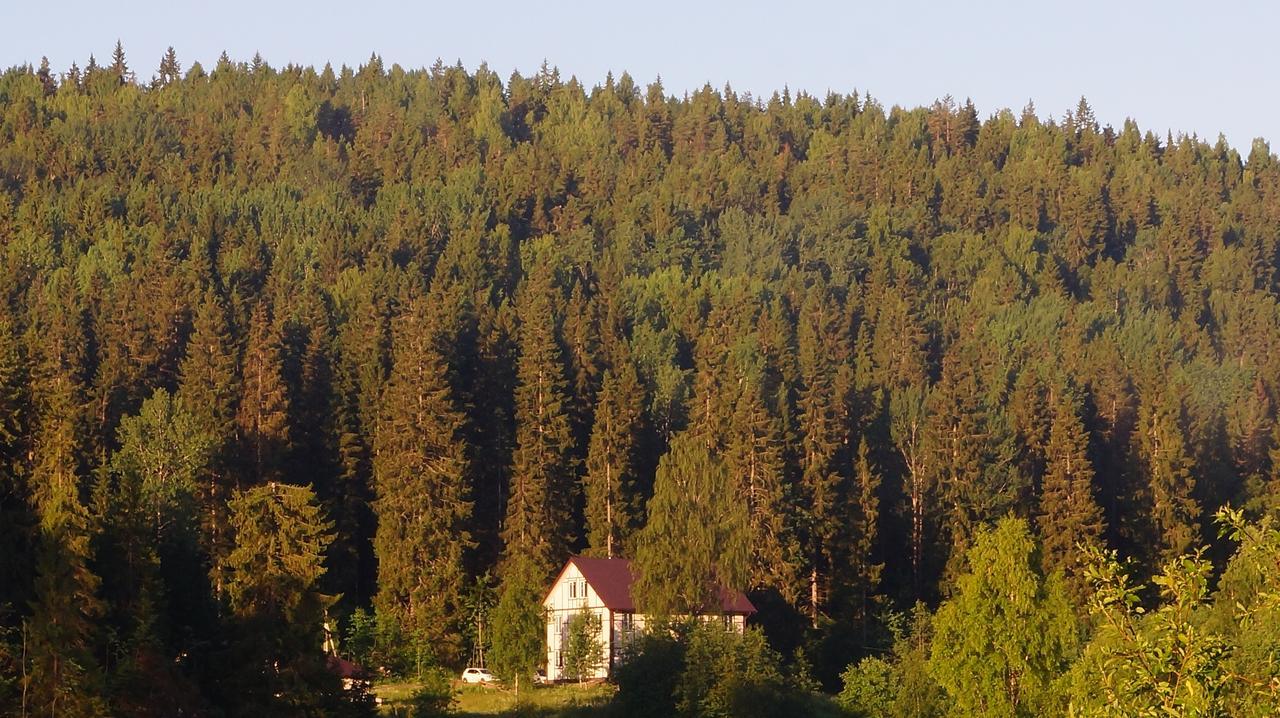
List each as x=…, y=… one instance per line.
x=1175, y=513
x=825, y=424
x=609, y=483
x=1069, y=518
x=66, y=678
x=864, y=525
x=263, y=412
x=539, y=510
x=421, y=481
x=695, y=543
x=119, y=68
x=170, y=71
x=277, y=666
x=17, y=522
x=757, y=474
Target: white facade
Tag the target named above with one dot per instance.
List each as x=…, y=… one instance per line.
x=572, y=593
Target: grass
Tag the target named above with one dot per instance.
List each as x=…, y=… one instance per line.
x=562, y=701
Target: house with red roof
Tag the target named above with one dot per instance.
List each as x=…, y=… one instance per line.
x=602, y=586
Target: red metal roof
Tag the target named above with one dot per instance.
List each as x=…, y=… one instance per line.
x=612, y=578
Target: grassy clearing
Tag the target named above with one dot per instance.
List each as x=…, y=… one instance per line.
x=564, y=701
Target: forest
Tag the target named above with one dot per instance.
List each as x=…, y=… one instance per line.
x=980, y=411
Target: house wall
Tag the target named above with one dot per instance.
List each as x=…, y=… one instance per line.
x=570, y=595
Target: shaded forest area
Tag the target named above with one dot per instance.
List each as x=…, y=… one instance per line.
x=286, y=348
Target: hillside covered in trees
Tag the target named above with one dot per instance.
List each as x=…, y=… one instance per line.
x=292, y=348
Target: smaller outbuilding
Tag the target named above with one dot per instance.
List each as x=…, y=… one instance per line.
x=602, y=586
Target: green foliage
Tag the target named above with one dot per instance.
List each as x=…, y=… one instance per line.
x=583, y=649
x=273, y=576
x=537, y=523
x=870, y=688
x=611, y=463
x=694, y=544
x=882, y=328
x=1246, y=613
x=1162, y=662
x=1007, y=633
x=698, y=668
x=435, y=696
x=421, y=475
x=164, y=455
x=519, y=627
x=647, y=679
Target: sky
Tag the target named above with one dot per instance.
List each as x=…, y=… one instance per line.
x=1203, y=68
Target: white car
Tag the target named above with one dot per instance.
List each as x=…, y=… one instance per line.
x=477, y=675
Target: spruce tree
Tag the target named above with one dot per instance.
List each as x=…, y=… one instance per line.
x=539, y=507
x=1175, y=513
x=209, y=381
x=609, y=483
x=119, y=67
x=864, y=526
x=65, y=676
x=17, y=522
x=824, y=424
x=209, y=386
x=421, y=482
x=695, y=543
x=274, y=574
x=518, y=623
x=262, y=415
x=753, y=456
x=170, y=71
x=1069, y=517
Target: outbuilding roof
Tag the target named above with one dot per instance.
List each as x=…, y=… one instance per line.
x=611, y=578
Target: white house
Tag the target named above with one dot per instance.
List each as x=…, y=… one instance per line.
x=603, y=587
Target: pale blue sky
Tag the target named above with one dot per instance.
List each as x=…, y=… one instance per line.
x=1195, y=67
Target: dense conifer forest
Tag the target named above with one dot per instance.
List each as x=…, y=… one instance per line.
x=368, y=352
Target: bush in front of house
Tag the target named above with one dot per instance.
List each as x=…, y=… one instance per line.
x=703, y=670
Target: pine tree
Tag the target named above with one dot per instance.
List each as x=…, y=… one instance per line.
x=1069, y=517
x=611, y=509
x=262, y=416
x=539, y=507
x=421, y=481
x=695, y=543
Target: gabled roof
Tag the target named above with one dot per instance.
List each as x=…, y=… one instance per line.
x=611, y=578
